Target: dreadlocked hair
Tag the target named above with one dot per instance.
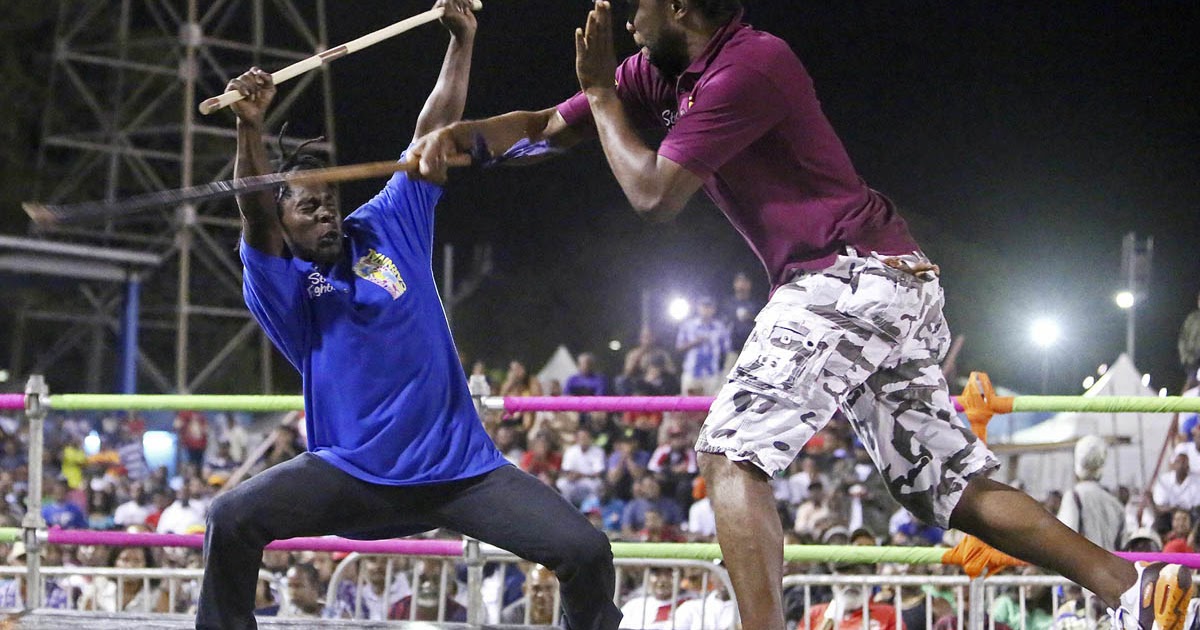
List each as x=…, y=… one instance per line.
x=296, y=160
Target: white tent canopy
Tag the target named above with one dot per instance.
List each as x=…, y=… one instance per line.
x=560, y=367
x=1129, y=464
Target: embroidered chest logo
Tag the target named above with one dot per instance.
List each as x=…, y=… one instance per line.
x=318, y=285
x=379, y=269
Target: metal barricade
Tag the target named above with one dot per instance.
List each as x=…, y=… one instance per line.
x=973, y=601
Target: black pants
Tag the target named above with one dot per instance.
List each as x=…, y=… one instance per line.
x=308, y=497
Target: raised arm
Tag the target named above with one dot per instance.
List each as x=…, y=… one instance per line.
x=260, y=221
x=448, y=98
x=656, y=187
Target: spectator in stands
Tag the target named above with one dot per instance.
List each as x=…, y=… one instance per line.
x=656, y=529
x=1189, y=346
x=845, y=612
x=220, y=463
x=812, y=511
x=14, y=592
x=807, y=471
x=714, y=611
x=674, y=464
x=61, y=512
x=1144, y=540
x=101, y=507
x=704, y=342
x=304, y=594
x=235, y=434
x=640, y=359
x=192, y=429
x=648, y=496
x=132, y=595
x=163, y=498
x=583, y=470
x=377, y=595
x=72, y=459
x=587, y=382
x=132, y=454
x=284, y=447
x=541, y=460
x=1181, y=529
x=1178, y=488
x=185, y=513
x=1087, y=507
x=1191, y=448
x=540, y=587
x=518, y=382
x=654, y=609
x=506, y=439
x=738, y=312
x=12, y=457
x=429, y=598
x=1053, y=501
x=702, y=521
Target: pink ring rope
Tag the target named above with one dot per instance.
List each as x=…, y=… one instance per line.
x=401, y=547
x=617, y=404
x=12, y=402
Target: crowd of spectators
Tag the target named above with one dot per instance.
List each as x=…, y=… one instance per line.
x=634, y=475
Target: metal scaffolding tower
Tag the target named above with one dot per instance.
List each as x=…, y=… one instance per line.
x=121, y=119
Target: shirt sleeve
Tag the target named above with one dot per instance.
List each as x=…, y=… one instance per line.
x=405, y=209
x=732, y=109
x=635, y=81
x=274, y=293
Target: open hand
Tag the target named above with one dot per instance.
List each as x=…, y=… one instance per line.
x=595, y=61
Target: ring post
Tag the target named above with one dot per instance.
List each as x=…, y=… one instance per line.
x=474, y=557
x=477, y=386
x=978, y=604
x=36, y=394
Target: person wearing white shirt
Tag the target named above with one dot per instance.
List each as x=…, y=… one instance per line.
x=136, y=509
x=1192, y=450
x=184, y=514
x=654, y=610
x=583, y=467
x=1178, y=488
x=716, y=611
x=702, y=521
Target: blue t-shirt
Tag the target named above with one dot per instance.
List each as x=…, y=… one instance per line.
x=385, y=396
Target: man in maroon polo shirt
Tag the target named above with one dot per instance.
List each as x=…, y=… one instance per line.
x=855, y=319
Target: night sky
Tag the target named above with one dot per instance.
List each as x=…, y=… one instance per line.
x=1021, y=141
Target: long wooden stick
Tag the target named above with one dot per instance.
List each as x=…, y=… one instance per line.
x=300, y=67
x=47, y=215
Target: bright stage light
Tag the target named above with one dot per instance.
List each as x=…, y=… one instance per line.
x=1125, y=299
x=1088, y=382
x=1045, y=332
x=679, y=309
x=614, y=345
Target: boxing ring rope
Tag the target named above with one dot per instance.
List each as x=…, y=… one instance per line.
x=838, y=554
x=614, y=404
x=979, y=401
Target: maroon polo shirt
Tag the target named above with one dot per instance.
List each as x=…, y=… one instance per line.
x=744, y=118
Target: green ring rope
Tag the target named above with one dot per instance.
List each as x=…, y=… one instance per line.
x=1108, y=404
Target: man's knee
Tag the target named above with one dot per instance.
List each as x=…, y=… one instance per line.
x=228, y=514
x=715, y=467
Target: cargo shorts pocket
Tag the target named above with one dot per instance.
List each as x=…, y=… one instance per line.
x=786, y=356
x=873, y=297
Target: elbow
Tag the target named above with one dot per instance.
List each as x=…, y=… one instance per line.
x=657, y=209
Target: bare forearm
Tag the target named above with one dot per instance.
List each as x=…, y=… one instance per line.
x=259, y=223
x=449, y=97
x=634, y=164
x=500, y=133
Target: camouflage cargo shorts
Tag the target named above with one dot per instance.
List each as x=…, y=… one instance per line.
x=865, y=338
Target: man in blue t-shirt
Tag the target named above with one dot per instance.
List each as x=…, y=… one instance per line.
x=395, y=446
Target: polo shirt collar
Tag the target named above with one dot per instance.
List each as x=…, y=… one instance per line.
x=718, y=41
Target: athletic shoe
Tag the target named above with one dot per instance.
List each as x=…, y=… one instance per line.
x=1161, y=599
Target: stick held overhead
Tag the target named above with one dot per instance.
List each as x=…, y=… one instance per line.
x=215, y=103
